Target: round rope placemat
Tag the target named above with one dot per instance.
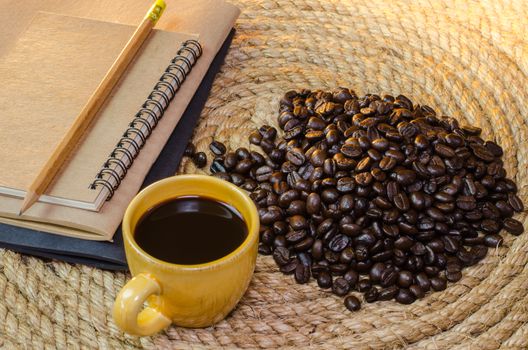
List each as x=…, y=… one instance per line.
x=464, y=58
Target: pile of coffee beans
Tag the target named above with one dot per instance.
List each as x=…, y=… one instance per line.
x=373, y=194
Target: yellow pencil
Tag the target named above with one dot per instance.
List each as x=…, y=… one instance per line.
x=83, y=120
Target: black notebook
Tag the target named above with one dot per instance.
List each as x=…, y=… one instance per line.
x=110, y=255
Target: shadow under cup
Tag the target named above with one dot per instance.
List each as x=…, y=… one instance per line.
x=190, y=295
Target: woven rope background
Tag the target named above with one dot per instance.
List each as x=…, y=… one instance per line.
x=464, y=58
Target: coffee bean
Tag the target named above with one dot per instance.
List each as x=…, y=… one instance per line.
x=189, y=150
x=351, y=150
x=338, y=243
x=371, y=295
x=302, y=274
x=387, y=163
x=340, y=286
x=493, y=240
x=199, y=159
x=438, y=283
x=388, y=277
x=405, y=279
x=513, y=226
x=296, y=156
x=230, y=161
x=255, y=138
x=453, y=276
x=444, y=150
x=346, y=184
x=388, y=293
x=218, y=148
x=423, y=281
x=330, y=195
x=268, y=132
x=324, y=280
x=352, y=303
x=376, y=271
x=515, y=202
x=243, y=166
x=405, y=296
x=281, y=255
x=417, y=291
x=401, y=201
x=466, y=203
x=364, y=285
x=242, y=153
x=405, y=177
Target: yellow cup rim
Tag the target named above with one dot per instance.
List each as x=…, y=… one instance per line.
x=252, y=221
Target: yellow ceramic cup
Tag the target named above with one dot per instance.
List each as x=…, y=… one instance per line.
x=186, y=295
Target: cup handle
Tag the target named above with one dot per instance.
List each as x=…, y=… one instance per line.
x=128, y=312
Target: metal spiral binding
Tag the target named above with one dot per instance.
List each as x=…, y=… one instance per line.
x=146, y=119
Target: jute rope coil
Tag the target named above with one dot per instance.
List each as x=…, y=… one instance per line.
x=466, y=59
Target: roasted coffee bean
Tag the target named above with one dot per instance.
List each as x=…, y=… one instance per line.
x=515, y=202
x=242, y=153
x=324, y=280
x=296, y=156
x=387, y=163
x=258, y=159
x=405, y=279
x=405, y=177
x=263, y=173
x=217, y=147
x=405, y=296
x=453, y=276
x=417, y=291
x=352, y=303
x=281, y=255
x=513, y=226
x=295, y=236
x=352, y=277
x=268, y=132
x=340, y=286
x=255, y=138
x=230, y=160
x=376, y=271
x=249, y=185
x=298, y=222
x=371, y=295
x=189, y=150
x=243, y=166
x=401, y=201
x=388, y=293
x=351, y=150
x=330, y=195
x=364, y=285
x=302, y=274
x=423, y=281
x=438, y=283
x=444, y=150
x=389, y=276
x=493, y=240
x=200, y=159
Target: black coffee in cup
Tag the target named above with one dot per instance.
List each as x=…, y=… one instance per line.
x=190, y=230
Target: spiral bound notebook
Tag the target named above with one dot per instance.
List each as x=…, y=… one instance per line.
x=48, y=74
x=49, y=69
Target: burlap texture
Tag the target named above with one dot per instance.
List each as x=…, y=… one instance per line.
x=466, y=59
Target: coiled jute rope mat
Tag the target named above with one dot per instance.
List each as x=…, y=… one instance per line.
x=465, y=58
